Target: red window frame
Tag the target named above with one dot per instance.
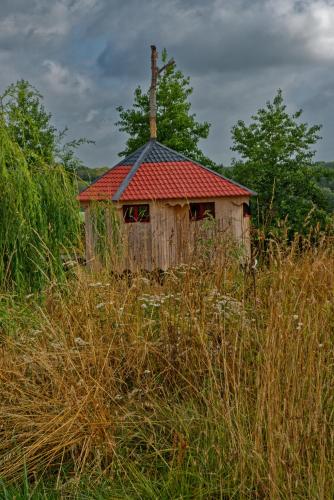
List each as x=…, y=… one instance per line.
x=134, y=213
x=200, y=211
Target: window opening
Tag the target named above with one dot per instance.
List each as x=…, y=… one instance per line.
x=246, y=210
x=136, y=213
x=200, y=211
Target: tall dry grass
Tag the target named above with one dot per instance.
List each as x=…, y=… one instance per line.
x=211, y=384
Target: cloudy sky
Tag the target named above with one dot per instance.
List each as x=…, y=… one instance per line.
x=87, y=56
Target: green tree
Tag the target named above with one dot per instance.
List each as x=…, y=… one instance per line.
x=30, y=126
x=28, y=123
x=177, y=127
x=276, y=160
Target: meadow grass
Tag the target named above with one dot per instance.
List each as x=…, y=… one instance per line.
x=213, y=383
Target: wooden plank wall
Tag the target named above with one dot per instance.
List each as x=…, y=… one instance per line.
x=170, y=238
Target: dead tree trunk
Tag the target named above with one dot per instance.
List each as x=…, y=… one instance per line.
x=153, y=93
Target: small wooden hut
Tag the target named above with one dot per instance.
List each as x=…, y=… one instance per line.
x=162, y=200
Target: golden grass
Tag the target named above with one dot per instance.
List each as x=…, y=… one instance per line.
x=209, y=384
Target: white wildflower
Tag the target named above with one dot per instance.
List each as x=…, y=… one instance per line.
x=35, y=332
x=79, y=341
x=134, y=392
x=70, y=263
x=99, y=306
x=56, y=345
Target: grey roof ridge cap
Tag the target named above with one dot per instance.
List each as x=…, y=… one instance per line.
x=128, y=156
x=126, y=181
x=253, y=193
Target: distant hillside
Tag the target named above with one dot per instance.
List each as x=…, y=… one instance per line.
x=328, y=164
x=327, y=181
x=88, y=175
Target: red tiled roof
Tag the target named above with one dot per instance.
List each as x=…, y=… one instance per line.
x=155, y=172
x=175, y=180
x=106, y=186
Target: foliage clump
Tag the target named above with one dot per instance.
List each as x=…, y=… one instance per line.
x=276, y=160
x=29, y=124
x=39, y=217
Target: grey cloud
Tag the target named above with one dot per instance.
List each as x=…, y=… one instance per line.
x=219, y=37
x=87, y=57
x=123, y=62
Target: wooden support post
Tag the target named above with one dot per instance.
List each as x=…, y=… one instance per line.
x=153, y=93
x=153, y=89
